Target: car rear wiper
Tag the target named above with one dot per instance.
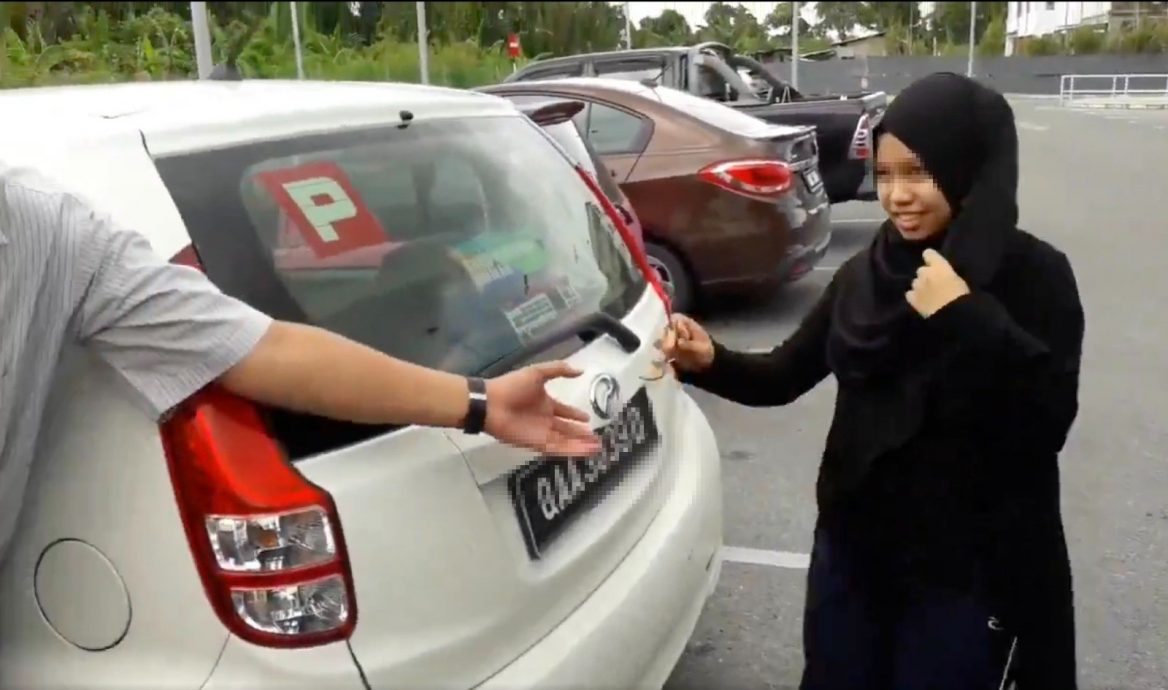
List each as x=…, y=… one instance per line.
x=587, y=325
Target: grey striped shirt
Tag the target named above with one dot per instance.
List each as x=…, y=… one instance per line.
x=68, y=273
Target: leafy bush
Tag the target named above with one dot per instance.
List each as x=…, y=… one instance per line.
x=1086, y=40
x=159, y=45
x=1149, y=38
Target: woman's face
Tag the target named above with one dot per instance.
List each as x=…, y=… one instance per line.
x=907, y=191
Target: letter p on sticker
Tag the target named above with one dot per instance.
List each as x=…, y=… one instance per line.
x=324, y=208
x=324, y=202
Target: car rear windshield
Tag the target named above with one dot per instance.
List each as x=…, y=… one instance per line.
x=580, y=151
x=451, y=243
x=714, y=113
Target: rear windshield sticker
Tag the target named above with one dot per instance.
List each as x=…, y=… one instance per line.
x=569, y=294
x=484, y=269
x=323, y=206
x=519, y=251
x=531, y=317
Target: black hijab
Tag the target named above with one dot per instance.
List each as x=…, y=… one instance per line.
x=965, y=137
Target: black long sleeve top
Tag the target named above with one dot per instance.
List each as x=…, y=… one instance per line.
x=954, y=465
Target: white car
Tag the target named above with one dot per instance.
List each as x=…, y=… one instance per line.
x=239, y=547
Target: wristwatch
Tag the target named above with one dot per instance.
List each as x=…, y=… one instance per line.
x=476, y=413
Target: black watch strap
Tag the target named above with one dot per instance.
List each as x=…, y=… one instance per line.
x=476, y=412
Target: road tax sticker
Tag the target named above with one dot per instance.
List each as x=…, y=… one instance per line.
x=485, y=269
x=569, y=294
x=532, y=316
x=321, y=203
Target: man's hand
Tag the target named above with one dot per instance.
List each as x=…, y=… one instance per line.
x=521, y=413
x=935, y=286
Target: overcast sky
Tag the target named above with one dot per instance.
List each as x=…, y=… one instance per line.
x=695, y=12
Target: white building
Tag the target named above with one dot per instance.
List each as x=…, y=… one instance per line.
x=1033, y=19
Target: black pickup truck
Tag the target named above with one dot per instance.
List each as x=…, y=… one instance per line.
x=843, y=122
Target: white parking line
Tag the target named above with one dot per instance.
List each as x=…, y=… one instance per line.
x=1031, y=126
x=775, y=559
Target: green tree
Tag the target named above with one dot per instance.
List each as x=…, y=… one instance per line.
x=839, y=19
x=951, y=20
x=735, y=26
x=993, y=39
x=670, y=26
x=779, y=21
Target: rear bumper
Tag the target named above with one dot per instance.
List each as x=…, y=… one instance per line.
x=803, y=256
x=629, y=634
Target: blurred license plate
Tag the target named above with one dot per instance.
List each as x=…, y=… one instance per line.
x=813, y=180
x=549, y=493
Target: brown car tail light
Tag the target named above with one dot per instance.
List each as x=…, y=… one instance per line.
x=636, y=249
x=267, y=543
x=756, y=178
x=861, y=148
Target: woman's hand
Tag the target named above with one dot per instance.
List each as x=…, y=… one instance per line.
x=935, y=286
x=688, y=345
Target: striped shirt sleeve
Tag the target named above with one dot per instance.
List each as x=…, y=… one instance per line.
x=165, y=328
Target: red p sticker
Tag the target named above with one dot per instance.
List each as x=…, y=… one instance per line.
x=323, y=206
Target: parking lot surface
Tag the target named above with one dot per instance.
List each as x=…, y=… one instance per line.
x=1095, y=184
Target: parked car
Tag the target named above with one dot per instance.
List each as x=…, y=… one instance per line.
x=727, y=202
x=843, y=122
x=262, y=549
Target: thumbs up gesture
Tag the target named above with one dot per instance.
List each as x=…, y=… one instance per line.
x=935, y=286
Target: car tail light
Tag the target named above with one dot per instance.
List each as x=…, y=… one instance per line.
x=636, y=249
x=756, y=178
x=861, y=148
x=267, y=543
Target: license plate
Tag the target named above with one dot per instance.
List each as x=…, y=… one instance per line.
x=813, y=180
x=550, y=492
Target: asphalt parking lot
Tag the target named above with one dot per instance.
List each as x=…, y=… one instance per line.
x=1095, y=184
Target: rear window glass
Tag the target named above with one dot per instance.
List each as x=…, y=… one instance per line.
x=632, y=70
x=713, y=113
x=567, y=135
x=432, y=243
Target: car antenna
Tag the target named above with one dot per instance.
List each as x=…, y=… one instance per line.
x=406, y=118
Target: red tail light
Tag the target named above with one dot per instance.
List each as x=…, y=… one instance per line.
x=757, y=178
x=636, y=249
x=861, y=148
x=266, y=542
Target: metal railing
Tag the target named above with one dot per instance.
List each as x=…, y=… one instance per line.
x=1115, y=88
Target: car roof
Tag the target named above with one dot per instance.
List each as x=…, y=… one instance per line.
x=250, y=107
x=98, y=140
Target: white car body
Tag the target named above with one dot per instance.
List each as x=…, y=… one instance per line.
x=100, y=588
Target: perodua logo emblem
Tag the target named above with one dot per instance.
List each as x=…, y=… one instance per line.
x=605, y=394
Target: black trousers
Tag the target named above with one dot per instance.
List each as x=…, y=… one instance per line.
x=860, y=636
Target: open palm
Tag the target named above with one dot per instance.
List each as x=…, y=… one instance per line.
x=520, y=412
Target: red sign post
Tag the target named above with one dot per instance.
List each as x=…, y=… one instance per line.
x=513, y=46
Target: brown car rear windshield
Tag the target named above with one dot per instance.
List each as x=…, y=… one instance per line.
x=450, y=243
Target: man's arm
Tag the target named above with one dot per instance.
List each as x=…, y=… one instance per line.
x=169, y=332
x=309, y=369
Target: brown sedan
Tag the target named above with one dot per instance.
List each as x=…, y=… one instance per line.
x=727, y=202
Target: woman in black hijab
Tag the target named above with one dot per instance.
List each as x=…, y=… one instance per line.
x=955, y=339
